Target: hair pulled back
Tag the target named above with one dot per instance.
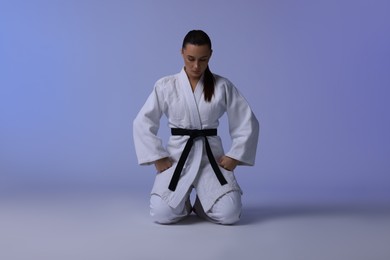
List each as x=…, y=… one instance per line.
x=199, y=37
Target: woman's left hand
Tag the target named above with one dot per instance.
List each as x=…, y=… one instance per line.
x=228, y=163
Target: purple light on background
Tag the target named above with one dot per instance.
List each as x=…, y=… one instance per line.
x=74, y=74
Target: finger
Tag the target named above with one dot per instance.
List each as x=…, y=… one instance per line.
x=221, y=159
x=225, y=167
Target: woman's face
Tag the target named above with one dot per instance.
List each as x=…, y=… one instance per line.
x=196, y=59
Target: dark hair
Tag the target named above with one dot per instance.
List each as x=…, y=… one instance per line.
x=199, y=37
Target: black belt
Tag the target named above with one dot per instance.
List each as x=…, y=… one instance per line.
x=194, y=133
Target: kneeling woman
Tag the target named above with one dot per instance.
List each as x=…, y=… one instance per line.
x=193, y=101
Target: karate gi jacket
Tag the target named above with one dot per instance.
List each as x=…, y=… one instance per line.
x=173, y=96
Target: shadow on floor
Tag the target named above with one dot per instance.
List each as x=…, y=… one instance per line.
x=253, y=214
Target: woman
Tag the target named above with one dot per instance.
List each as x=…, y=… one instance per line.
x=193, y=101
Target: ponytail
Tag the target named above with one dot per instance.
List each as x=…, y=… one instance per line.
x=208, y=84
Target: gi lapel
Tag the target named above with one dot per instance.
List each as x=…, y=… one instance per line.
x=192, y=99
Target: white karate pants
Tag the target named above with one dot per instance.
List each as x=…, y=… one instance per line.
x=226, y=210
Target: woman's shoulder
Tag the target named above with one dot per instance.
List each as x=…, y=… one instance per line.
x=167, y=81
x=222, y=81
x=168, y=78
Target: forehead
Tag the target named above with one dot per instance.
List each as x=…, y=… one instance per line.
x=196, y=50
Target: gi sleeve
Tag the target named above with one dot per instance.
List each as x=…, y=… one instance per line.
x=148, y=145
x=243, y=127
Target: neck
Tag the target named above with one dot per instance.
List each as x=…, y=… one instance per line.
x=193, y=81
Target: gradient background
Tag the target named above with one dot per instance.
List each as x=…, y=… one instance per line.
x=73, y=75
x=316, y=73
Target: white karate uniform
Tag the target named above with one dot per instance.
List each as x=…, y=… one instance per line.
x=173, y=97
x=226, y=210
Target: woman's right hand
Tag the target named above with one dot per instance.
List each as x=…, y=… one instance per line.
x=163, y=164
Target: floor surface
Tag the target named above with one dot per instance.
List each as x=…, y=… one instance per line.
x=117, y=226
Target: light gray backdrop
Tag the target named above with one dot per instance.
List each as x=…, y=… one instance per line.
x=316, y=73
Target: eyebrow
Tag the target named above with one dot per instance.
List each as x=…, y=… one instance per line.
x=203, y=57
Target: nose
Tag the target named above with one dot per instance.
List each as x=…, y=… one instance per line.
x=196, y=65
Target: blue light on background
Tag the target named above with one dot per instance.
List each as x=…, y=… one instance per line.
x=73, y=75
x=316, y=73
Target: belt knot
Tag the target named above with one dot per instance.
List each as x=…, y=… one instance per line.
x=194, y=133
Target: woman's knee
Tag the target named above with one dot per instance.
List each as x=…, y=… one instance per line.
x=162, y=213
x=227, y=209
